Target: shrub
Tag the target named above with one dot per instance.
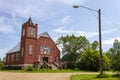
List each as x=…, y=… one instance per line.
x=90, y=61
x=30, y=68
x=12, y=68
x=71, y=65
x=76, y=69
x=1, y=65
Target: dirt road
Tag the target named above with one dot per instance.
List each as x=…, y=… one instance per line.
x=38, y=76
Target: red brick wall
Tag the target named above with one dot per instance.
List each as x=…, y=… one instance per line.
x=10, y=62
x=30, y=58
x=54, y=52
x=26, y=41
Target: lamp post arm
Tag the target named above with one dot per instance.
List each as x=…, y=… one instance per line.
x=88, y=8
x=76, y=6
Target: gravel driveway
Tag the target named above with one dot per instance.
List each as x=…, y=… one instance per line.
x=38, y=76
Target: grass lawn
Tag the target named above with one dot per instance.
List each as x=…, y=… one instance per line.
x=44, y=71
x=93, y=77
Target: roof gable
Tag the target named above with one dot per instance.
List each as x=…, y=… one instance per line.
x=15, y=49
x=45, y=34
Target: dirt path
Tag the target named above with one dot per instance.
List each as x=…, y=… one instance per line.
x=38, y=76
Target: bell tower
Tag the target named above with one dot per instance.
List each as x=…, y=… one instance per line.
x=28, y=42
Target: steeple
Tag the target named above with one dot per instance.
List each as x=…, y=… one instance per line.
x=30, y=20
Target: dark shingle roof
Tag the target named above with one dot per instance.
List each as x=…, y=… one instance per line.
x=17, y=47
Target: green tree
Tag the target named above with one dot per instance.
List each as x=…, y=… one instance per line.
x=114, y=56
x=90, y=61
x=73, y=45
x=72, y=48
x=94, y=45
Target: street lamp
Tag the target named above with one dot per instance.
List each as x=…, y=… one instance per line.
x=100, y=42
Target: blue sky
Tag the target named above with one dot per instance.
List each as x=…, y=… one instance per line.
x=58, y=18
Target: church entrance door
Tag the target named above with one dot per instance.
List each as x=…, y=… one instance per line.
x=45, y=59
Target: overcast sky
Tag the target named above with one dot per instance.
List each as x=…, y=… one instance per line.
x=58, y=18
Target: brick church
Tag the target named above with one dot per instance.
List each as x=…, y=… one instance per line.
x=33, y=48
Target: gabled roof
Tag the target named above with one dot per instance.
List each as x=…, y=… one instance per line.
x=15, y=49
x=45, y=34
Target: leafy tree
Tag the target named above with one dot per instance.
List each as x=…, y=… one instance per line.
x=94, y=45
x=79, y=53
x=67, y=62
x=90, y=60
x=74, y=45
x=114, y=56
x=72, y=48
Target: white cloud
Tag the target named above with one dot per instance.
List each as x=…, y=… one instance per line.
x=77, y=33
x=5, y=25
x=3, y=52
x=9, y=25
x=69, y=2
x=110, y=41
x=63, y=21
x=109, y=31
x=63, y=30
x=39, y=9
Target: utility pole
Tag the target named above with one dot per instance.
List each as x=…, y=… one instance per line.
x=100, y=41
x=100, y=38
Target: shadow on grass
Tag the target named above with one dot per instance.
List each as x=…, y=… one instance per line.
x=103, y=76
x=95, y=77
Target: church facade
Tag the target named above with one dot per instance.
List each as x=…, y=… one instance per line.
x=33, y=48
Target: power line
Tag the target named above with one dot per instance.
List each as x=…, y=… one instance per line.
x=111, y=22
x=116, y=26
x=93, y=14
x=91, y=10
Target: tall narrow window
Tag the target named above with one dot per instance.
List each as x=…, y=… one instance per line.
x=30, y=49
x=23, y=32
x=22, y=51
x=12, y=57
x=41, y=49
x=17, y=56
x=31, y=31
x=45, y=49
x=48, y=50
x=8, y=59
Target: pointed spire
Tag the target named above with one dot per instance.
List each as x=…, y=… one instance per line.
x=30, y=20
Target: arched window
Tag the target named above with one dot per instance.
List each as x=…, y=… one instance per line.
x=31, y=31
x=45, y=49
